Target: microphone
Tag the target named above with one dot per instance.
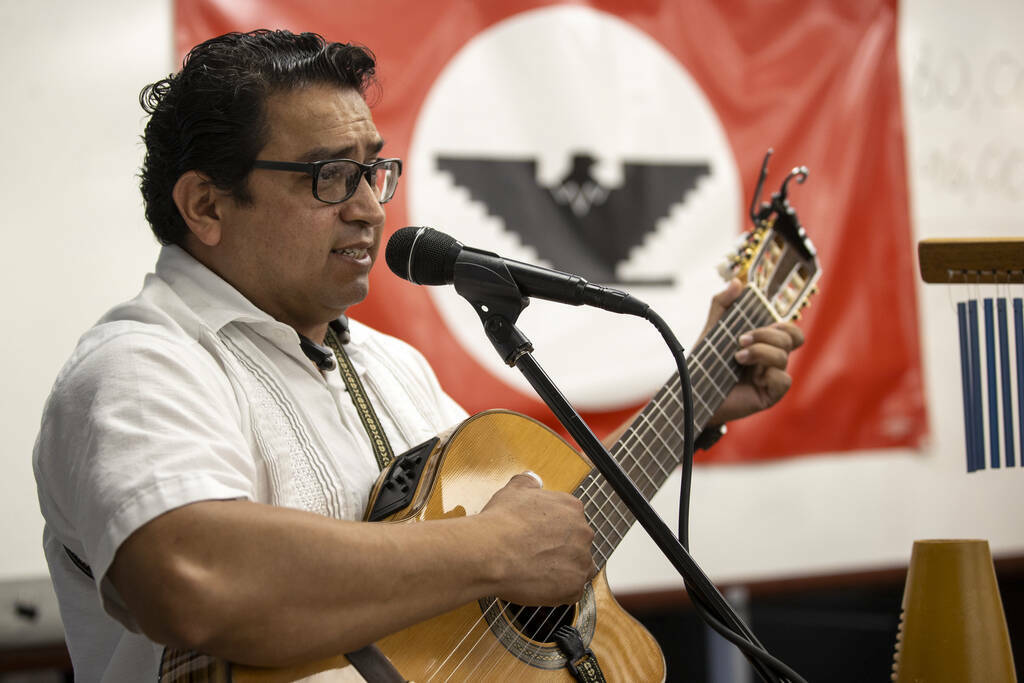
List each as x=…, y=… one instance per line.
x=425, y=256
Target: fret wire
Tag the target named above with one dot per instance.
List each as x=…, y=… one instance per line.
x=642, y=424
x=700, y=366
x=631, y=464
x=610, y=523
x=717, y=355
x=670, y=406
x=591, y=487
x=608, y=495
x=669, y=448
x=758, y=321
x=602, y=534
x=669, y=421
x=677, y=397
x=643, y=421
x=600, y=484
x=726, y=374
x=712, y=358
x=609, y=541
x=612, y=503
x=711, y=371
x=748, y=322
x=701, y=383
x=703, y=404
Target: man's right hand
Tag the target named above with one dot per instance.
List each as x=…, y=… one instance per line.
x=546, y=541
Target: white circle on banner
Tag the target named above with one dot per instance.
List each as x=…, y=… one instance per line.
x=546, y=86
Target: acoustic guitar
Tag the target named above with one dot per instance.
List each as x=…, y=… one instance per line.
x=456, y=474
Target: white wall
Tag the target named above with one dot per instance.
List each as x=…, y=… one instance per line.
x=77, y=245
x=75, y=240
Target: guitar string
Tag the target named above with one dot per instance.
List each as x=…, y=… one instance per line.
x=646, y=420
x=718, y=331
x=636, y=434
x=645, y=426
x=604, y=556
x=646, y=423
x=736, y=313
x=671, y=392
x=631, y=466
x=648, y=490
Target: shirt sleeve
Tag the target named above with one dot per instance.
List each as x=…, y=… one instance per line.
x=135, y=427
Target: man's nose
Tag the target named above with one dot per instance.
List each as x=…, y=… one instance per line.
x=363, y=206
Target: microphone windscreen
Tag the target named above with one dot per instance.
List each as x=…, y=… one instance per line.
x=418, y=255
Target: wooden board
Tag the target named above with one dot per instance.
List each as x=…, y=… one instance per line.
x=994, y=260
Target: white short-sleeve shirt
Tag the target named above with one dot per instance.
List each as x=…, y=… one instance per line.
x=188, y=392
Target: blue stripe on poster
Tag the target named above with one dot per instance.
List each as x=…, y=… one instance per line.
x=977, y=429
x=990, y=375
x=1018, y=333
x=1004, y=380
x=965, y=382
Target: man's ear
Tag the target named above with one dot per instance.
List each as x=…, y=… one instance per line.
x=198, y=200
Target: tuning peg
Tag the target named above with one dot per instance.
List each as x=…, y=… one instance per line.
x=814, y=290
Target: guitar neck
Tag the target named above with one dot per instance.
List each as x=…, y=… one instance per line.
x=652, y=447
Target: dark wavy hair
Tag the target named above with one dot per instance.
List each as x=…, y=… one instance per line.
x=211, y=116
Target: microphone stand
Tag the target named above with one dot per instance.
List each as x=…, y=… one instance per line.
x=492, y=291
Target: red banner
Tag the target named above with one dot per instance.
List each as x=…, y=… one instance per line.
x=572, y=99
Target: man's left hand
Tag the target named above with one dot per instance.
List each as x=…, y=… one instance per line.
x=764, y=354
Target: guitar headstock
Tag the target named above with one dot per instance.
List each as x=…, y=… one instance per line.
x=776, y=259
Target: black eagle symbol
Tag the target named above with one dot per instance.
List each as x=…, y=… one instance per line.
x=578, y=225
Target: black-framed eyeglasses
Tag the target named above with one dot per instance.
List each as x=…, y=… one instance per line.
x=335, y=180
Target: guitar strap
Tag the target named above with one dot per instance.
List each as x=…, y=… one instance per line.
x=369, y=661
x=336, y=332
x=374, y=666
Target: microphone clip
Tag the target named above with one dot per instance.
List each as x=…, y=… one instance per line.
x=483, y=279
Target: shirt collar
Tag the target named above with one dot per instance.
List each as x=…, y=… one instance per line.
x=215, y=301
x=207, y=294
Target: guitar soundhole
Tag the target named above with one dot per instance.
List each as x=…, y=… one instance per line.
x=527, y=632
x=539, y=623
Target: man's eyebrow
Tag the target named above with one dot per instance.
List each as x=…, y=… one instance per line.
x=321, y=153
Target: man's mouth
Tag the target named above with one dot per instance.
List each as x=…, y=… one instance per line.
x=351, y=253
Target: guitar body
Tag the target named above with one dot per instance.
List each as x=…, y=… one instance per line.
x=488, y=639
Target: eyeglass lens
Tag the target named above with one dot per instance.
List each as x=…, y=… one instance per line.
x=339, y=180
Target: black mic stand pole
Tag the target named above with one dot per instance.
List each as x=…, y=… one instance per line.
x=494, y=295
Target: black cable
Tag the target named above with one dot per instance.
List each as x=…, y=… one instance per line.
x=679, y=355
x=750, y=649
x=705, y=600
x=709, y=603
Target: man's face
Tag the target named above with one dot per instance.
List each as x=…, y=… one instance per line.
x=299, y=259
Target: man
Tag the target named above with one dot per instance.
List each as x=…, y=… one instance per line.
x=201, y=477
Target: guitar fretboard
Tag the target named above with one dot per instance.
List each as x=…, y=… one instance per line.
x=652, y=446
